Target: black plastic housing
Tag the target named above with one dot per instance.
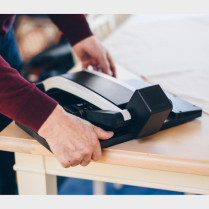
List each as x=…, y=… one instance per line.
x=149, y=108
x=108, y=118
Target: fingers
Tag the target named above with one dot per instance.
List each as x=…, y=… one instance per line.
x=86, y=156
x=63, y=161
x=95, y=67
x=94, y=152
x=65, y=164
x=76, y=141
x=104, y=64
x=97, y=152
x=102, y=134
x=71, y=160
x=85, y=65
x=112, y=65
x=90, y=51
x=86, y=161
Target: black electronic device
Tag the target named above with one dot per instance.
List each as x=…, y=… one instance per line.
x=114, y=105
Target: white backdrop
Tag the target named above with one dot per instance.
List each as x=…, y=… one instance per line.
x=172, y=50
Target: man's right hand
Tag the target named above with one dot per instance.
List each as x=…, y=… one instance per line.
x=73, y=140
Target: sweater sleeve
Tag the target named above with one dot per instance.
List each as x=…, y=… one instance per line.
x=74, y=26
x=22, y=101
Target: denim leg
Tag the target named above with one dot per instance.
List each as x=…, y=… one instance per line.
x=9, y=50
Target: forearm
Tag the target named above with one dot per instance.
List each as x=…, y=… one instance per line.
x=74, y=26
x=21, y=100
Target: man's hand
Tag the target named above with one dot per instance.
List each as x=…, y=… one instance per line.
x=73, y=140
x=92, y=53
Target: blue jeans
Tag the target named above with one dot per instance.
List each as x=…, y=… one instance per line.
x=9, y=51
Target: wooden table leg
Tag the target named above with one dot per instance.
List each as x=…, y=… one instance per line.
x=32, y=178
x=99, y=188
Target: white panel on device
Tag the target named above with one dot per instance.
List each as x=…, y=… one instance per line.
x=84, y=93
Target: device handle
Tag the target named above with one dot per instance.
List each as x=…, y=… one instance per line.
x=108, y=118
x=84, y=93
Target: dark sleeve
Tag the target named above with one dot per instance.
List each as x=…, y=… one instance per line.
x=22, y=101
x=74, y=26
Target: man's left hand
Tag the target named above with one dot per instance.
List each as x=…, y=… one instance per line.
x=92, y=53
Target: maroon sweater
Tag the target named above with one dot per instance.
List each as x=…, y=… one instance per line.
x=21, y=100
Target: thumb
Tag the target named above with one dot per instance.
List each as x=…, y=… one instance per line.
x=102, y=134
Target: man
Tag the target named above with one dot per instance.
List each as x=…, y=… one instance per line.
x=72, y=140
